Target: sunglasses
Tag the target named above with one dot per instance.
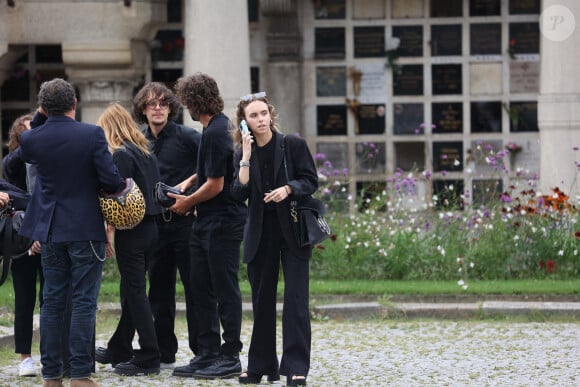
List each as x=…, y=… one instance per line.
x=153, y=104
x=251, y=97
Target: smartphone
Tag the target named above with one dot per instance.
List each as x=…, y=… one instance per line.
x=244, y=127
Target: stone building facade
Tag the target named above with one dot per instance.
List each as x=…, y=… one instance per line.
x=376, y=86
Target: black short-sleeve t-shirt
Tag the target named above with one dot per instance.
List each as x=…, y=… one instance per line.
x=216, y=159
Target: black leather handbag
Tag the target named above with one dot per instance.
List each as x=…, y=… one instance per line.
x=161, y=190
x=310, y=227
x=307, y=217
x=12, y=244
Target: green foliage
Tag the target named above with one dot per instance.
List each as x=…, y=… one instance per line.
x=390, y=233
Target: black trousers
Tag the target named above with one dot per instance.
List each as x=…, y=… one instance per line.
x=25, y=272
x=215, y=256
x=263, y=273
x=133, y=248
x=171, y=254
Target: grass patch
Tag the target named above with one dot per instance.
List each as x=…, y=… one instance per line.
x=110, y=289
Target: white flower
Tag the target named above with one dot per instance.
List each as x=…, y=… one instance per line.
x=471, y=264
x=460, y=282
x=561, y=253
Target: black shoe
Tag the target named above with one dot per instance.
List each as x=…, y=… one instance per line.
x=102, y=356
x=195, y=364
x=252, y=378
x=300, y=381
x=227, y=366
x=131, y=369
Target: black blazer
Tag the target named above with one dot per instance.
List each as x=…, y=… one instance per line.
x=303, y=179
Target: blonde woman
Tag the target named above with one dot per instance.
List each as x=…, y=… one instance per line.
x=132, y=248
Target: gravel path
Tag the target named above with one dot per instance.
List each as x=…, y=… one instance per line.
x=405, y=353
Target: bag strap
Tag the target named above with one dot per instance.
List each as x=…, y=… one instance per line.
x=293, y=203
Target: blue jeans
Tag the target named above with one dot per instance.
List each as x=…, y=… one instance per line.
x=78, y=265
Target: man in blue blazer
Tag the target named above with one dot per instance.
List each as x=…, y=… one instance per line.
x=73, y=163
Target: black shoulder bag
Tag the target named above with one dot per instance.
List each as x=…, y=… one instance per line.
x=308, y=223
x=12, y=244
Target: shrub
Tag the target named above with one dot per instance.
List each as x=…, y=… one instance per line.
x=389, y=232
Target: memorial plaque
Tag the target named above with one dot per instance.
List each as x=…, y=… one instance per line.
x=373, y=83
x=407, y=9
x=368, y=9
x=335, y=153
x=485, y=39
x=448, y=156
x=370, y=157
x=486, y=78
x=409, y=81
x=525, y=38
x=331, y=120
x=331, y=81
x=330, y=9
x=524, y=7
x=329, y=43
x=408, y=118
x=447, y=117
x=484, y=7
x=411, y=40
x=446, y=8
x=529, y=157
x=524, y=77
x=486, y=192
x=449, y=194
x=523, y=116
x=371, y=119
x=446, y=40
x=486, y=117
x=477, y=157
x=410, y=156
x=446, y=79
x=369, y=42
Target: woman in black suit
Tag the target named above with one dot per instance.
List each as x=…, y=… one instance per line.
x=268, y=240
x=133, y=249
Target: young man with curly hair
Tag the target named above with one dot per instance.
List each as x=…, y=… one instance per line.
x=216, y=235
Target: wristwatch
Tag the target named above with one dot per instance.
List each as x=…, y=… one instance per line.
x=244, y=164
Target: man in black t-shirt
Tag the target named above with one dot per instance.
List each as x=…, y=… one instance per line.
x=175, y=147
x=216, y=235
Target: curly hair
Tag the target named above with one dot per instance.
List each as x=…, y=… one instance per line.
x=18, y=126
x=241, y=115
x=154, y=91
x=56, y=97
x=200, y=94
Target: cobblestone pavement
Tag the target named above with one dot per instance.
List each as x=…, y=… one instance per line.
x=404, y=353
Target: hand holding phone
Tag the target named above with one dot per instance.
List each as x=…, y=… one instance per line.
x=244, y=127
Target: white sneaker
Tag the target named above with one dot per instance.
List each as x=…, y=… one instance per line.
x=27, y=367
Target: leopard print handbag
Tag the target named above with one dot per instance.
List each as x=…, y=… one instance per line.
x=125, y=209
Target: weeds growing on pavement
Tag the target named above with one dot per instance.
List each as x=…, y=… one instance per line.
x=390, y=232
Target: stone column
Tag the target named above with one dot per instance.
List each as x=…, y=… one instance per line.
x=559, y=99
x=217, y=43
x=103, y=72
x=284, y=67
